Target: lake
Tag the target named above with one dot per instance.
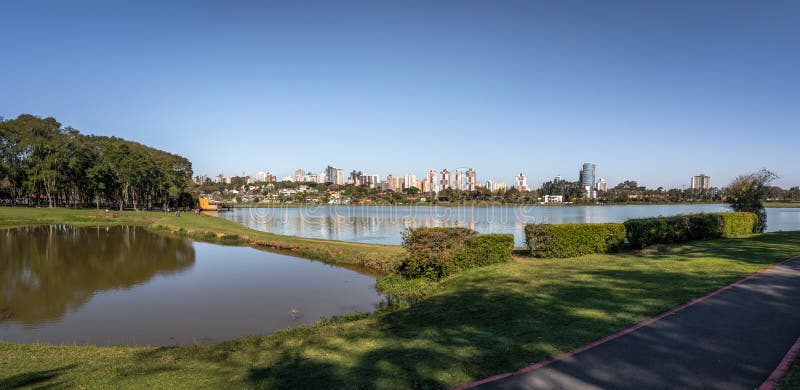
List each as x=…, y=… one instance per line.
x=126, y=285
x=384, y=224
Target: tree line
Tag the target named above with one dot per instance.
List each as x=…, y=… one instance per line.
x=44, y=164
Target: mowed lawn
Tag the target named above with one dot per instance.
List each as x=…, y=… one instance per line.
x=479, y=323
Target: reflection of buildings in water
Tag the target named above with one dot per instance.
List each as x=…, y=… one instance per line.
x=48, y=271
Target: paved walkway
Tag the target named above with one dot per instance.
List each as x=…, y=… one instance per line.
x=732, y=339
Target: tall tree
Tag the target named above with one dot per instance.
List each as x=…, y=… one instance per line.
x=748, y=192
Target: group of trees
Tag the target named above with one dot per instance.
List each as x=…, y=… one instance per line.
x=42, y=163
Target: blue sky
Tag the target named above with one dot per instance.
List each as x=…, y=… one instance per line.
x=654, y=92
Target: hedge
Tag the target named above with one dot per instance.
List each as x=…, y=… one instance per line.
x=434, y=253
x=681, y=228
x=574, y=239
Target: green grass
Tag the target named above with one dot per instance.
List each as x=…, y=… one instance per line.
x=789, y=205
x=478, y=323
x=792, y=378
x=212, y=229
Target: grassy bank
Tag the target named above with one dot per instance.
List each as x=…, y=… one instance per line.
x=478, y=323
x=789, y=205
x=792, y=378
x=210, y=229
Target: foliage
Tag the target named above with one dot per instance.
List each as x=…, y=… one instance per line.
x=434, y=253
x=748, y=192
x=41, y=162
x=571, y=190
x=576, y=239
x=681, y=228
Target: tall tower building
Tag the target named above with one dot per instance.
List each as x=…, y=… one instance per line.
x=586, y=175
x=410, y=181
x=522, y=182
x=472, y=180
x=332, y=174
x=444, y=179
x=432, y=181
x=602, y=185
x=701, y=182
x=458, y=184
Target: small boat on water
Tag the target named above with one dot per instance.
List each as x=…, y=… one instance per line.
x=213, y=205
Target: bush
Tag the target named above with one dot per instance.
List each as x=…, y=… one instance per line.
x=739, y=224
x=485, y=249
x=575, y=239
x=434, y=253
x=668, y=230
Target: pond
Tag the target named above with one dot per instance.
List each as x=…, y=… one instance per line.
x=384, y=224
x=126, y=285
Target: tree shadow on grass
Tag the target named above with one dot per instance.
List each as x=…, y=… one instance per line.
x=492, y=322
x=36, y=379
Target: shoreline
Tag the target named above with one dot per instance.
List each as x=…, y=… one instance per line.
x=212, y=229
x=353, y=348
x=478, y=204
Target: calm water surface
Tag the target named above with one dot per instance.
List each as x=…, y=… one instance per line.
x=120, y=285
x=384, y=224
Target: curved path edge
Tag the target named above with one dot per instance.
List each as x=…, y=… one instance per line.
x=768, y=384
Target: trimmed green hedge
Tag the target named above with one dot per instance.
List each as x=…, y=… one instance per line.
x=574, y=239
x=434, y=253
x=681, y=228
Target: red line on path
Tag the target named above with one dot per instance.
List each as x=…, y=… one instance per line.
x=780, y=371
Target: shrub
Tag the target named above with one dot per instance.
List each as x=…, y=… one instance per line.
x=485, y=249
x=437, y=252
x=739, y=224
x=575, y=239
x=668, y=230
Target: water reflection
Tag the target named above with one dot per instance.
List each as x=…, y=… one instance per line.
x=47, y=271
x=120, y=285
x=384, y=224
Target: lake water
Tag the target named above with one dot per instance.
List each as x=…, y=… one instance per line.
x=120, y=285
x=384, y=224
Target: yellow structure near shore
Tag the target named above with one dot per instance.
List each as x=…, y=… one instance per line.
x=205, y=205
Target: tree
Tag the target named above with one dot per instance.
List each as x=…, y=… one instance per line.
x=748, y=192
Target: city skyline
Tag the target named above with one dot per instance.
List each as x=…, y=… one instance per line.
x=442, y=179
x=406, y=87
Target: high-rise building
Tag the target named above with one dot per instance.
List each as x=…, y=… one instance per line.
x=522, y=182
x=444, y=179
x=372, y=181
x=602, y=185
x=355, y=177
x=500, y=185
x=458, y=183
x=472, y=180
x=701, y=182
x=423, y=186
x=298, y=175
x=489, y=184
x=410, y=181
x=432, y=181
x=394, y=183
x=586, y=175
x=330, y=175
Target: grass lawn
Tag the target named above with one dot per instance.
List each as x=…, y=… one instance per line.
x=792, y=378
x=212, y=229
x=782, y=204
x=476, y=324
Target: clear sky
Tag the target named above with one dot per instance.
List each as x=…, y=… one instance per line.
x=650, y=91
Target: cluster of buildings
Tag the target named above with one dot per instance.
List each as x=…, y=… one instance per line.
x=462, y=179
